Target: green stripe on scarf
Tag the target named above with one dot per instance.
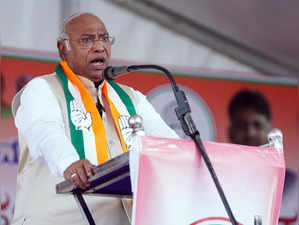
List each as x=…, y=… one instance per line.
x=124, y=97
x=76, y=135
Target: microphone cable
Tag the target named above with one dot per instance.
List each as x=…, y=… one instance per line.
x=183, y=112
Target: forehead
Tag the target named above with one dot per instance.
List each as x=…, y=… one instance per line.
x=85, y=24
x=250, y=115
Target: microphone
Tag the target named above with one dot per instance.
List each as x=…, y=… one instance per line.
x=183, y=113
x=111, y=72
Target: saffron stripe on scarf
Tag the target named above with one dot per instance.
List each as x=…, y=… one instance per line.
x=124, y=97
x=97, y=123
x=123, y=102
x=115, y=116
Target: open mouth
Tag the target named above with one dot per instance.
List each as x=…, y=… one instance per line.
x=98, y=61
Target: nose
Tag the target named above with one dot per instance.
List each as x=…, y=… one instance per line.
x=251, y=131
x=251, y=136
x=98, y=46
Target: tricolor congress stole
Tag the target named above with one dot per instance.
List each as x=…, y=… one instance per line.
x=87, y=130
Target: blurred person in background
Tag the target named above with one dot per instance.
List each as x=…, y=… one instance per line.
x=250, y=122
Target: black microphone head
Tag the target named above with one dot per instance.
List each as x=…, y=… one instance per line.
x=107, y=73
x=111, y=72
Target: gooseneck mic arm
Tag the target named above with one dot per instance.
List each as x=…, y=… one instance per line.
x=183, y=113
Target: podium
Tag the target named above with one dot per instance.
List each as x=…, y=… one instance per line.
x=171, y=184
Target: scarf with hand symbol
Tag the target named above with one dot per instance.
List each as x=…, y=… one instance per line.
x=87, y=130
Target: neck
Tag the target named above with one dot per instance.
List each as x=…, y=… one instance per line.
x=90, y=86
x=98, y=83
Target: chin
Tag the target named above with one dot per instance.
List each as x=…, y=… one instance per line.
x=96, y=77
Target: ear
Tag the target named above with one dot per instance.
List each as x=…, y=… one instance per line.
x=61, y=49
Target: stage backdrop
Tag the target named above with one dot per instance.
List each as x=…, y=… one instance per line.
x=209, y=93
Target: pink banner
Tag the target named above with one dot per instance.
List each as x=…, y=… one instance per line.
x=175, y=187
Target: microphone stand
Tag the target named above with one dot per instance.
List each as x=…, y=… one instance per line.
x=183, y=113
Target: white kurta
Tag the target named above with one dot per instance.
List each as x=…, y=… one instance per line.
x=39, y=119
x=46, y=151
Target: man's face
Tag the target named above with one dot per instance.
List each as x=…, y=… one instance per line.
x=87, y=62
x=249, y=128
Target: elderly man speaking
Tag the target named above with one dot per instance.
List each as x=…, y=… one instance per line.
x=70, y=121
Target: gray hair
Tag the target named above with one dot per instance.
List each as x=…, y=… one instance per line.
x=62, y=30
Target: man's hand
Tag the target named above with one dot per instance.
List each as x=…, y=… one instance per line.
x=79, y=172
